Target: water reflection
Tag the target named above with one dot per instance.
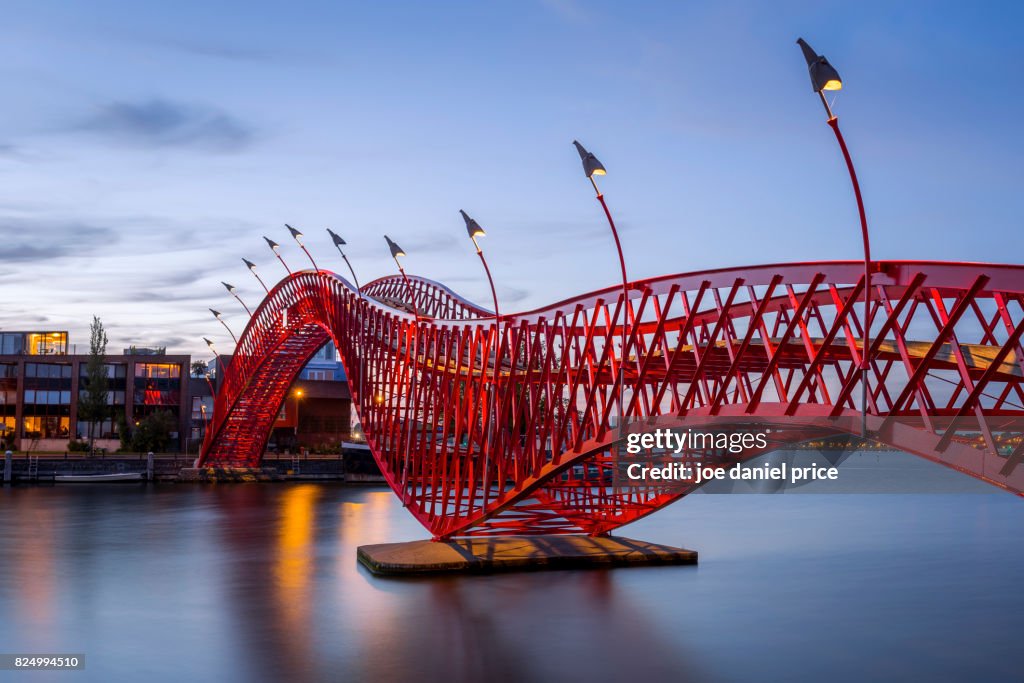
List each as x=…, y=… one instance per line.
x=33, y=574
x=261, y=583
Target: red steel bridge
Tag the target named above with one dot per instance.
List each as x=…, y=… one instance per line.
x=488, y=426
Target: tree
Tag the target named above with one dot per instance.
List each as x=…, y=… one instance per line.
x=199, y=368
x=153, y=432
x=93, y=405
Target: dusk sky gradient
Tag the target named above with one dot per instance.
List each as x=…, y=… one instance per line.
x=145, y=149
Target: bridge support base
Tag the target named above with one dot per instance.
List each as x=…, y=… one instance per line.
x=517, y=553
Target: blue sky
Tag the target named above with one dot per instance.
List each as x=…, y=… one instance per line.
x=145, y=149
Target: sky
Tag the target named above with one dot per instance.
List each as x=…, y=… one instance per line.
x=145, y=148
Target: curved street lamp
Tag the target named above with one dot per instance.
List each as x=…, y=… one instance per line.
x=396, y=252
x=213, y=349
x=297, y=236
x=276, y=248
x=339, y=243
x=592, y=167
x=252, y=269
x=231, y=289
x=825, y=77
x=474, y=230
x=220, y=319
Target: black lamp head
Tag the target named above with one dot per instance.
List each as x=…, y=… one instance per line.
x=216, y=314
x=295, y=233
x=230, y=288
x=338, y=242
x=396, y=250
x=823, y=75
x=249, y=264
x=591, y=166
x=472, y=227
x=272, y=244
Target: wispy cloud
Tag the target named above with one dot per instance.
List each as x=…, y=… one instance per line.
x=8, y=151
x=162, y=123
x=221, y=51
x=30, y=240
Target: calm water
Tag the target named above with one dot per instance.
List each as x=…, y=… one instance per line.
x=260, y=582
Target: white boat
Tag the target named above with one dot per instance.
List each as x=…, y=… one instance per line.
x=90, y=478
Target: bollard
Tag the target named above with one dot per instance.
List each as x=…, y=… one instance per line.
x=8, y=467
x=149, y=466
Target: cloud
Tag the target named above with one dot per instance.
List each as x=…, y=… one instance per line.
x=513, y=295
x=222, y=51
x=430, y=243
x=162, y=123
x=27, y=241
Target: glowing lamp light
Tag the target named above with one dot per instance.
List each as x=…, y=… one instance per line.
x=591, y=166
x=396, y=250
x=230, y=288
x=296, y=235
x=823, y=75
x=472, y=227
x=274, y=246
x=216, y=314
x=249, y=264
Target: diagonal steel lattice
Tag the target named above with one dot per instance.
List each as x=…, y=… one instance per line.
x=508, y=427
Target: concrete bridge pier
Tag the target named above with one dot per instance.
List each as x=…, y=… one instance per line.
x=8, y=467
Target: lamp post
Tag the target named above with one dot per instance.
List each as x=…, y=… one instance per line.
x=220, y=319
x=592, y=167
x=339, y=243
x=297, y=236
x=396, y=252
x=276, y=248
x=825, y=77
x=231, y=290
x=213, y=350
x=474, y=230
x=252, y=269
x=298, y=395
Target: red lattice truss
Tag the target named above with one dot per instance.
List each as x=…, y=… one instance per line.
x=488, y=428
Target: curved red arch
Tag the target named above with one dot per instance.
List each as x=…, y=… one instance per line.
x=486, y=426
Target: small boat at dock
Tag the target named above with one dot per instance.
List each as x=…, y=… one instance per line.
x=95, y=478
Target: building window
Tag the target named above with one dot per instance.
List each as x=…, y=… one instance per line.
x=47, y=427
x=320, y=375
x=157, y=370
x=12, y=343
x=46, y=343
x=111, y=370
x=47, y=397
x=105, y=429
x=202, y=408
x=48, y=370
